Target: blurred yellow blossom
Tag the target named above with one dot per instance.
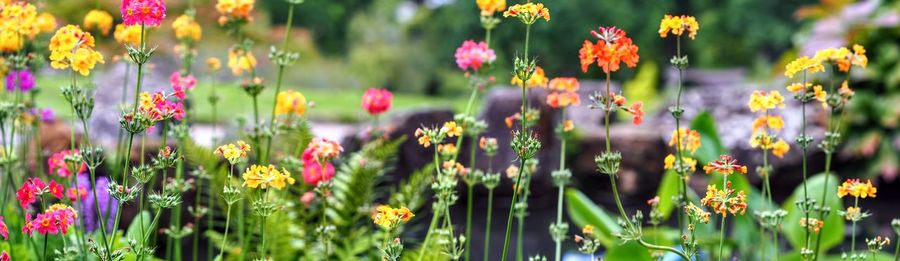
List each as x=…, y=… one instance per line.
x=677, y=25
x=98, y=19
x=257, y=176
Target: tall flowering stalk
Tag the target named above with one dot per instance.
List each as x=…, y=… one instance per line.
x=726, y=200
x=524, y=143
x=265, y=177
x=444, y=186
x=805, y=92
x=765, y=139
x=563, y=93
x=612, y=48
x=323, y=151
x=842, y=60
x=856, y=189
x=490, y=180
x=390, y=219
x=234, y=153
x=678, y=26
x=283, y=58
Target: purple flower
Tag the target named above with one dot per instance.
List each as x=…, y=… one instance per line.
x=22, y=80
x=47, y=115
x=88, y=207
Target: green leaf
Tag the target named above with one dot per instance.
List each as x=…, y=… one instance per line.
x=583, y=212
x=711, y=146
x=135, y=230
x=631, y=251
x=668, y=189
x=833, y=231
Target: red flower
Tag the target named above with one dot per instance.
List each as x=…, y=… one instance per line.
x=29, y=191
x=55, y=189
x=4, y=256
x=637, y=112
x=612, y=48
x=377, y=101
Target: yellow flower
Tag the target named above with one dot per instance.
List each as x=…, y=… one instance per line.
x=213, y=64
x=234, y=10
x=186, y=28
x=820, y=95
x=240, y=61
x=859, y=57
x=798, y=87
x=857, y=189
x=388, y=218
x=98, y=19
x=71, y=46
x=290, y=101
x=761, y=101
x=804, y=63
x=568, y=126
x=45, y=22
x=843, y=57
x=773, y=122
x=424, y=139
x=538, y=79
x=489, y=7
x=528, y=13
x=447, y=149
x=234, y=152
x=19, y=18
x=452, y=129
x=587, y=230
x=257, y=176
x=10, y=41
x=130, y=35
x=669, y=162
x=677, y=25
x=689, y=139
x=780, y=148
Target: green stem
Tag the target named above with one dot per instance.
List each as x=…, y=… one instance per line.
x=803, y=147
x=559, y=199
x=225, y=235
x=487, y=225
x=663, y=248
x=722, y=238
x=512, y=204
x=471, y=188
x=853, y=231
x=679, y=154
x=520, y=237
x=434, y=219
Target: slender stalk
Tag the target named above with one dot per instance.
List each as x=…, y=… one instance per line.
x=853, y=231
x=722, y=238
x=559, y=199
x=471, y=189
x=521, y=161
x=679, y=154
x=828, y=155
x=147, y=235
x=487, y=225
x=225, y=235
x=287, y=34
x=803, y=147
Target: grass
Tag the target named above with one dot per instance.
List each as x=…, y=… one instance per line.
x=341, y=105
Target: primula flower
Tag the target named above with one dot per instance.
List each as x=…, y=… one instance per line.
x=388, y=218
x=72, y=47
x=771, y=122
x=489, y=7
x=234, y=152
x=186, y=28
x=804, y=63
x=213, y=64
x=843, y=57
x=21, y=80
x=725, y=165
x=240, y=61
x=528, y=13
x=4, y=230
x=725, y=201
x=234, y=10
x=697, y=213
x=472, y=55
x=687, y=138
x=257, y=176
x=128, y=34
x=669, y=162
x=158, y=107
x=290, y=102
x=55, y=189
x=377, y=101
x=324, y=149
x=57, y=163
x=812, y=224
x=17, y=21
x=313, y=171
x=612, y=48
x=30, y=190
x=56, y=219
x=762, y=101
x=76, y=194
x=563, y=92
x=423, y=137
x=857, y=189
x=98, y=19
x=143, y=12
x=538, y=79
x=677, y=25
x=181, y=84
x=452, y=129
x=45, y=22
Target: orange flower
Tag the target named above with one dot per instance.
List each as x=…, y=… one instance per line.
x=612, y=48
x=725, y=201
x=725, y=165
x=689, y=139
x=528, y=13
x=857, y=189
x=489, y=7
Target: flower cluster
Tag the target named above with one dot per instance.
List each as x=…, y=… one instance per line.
x=537, y=79
x=489, y=7
x=186, y=28
x=56, y=219
x=614, y=102
x=843, y=58
x=804, y=90
x=677, y=25
x=324, y=149
x=427, y=136
x=763, y=125
x=34, y=188
x=20, y=20
x=263, y=177
x=234, y=10
x=388, y=218
x=857, y=189
x=158, y=107
x=181, y=84
x=473, y=55
x=803, y=64
x=143, y=12
x=234, y=152
x=128, y=34
x=240, y=61
x=377, y=101
x=563, y=92
x=313, y=170
x=290, y=102
x=812, y=224
x=59, y=163
x=98, y=19
x=19, y=80
x=71, y=46
x=528, y=13
x=612, y=48
x=725, y=201
x=725, y=165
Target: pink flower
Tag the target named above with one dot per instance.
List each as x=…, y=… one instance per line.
x=324, y=149
x=56, y=219
x=4, y=230
x=473, y=55
x=55, y=189
x=57, y=163
x=4, y=256
x=313, y=171
x=307, y=198
x=143, y=12
x=181, y=84
x=377, y=101
x=29, y=191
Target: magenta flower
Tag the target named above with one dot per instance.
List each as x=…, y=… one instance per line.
x=143, y=12
x=21, y=80
x=57, y=164
x=4, y=230
x=313, y=171
x=182, y=84
x=377, y=101
x=473, y=55
x=47, y=115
